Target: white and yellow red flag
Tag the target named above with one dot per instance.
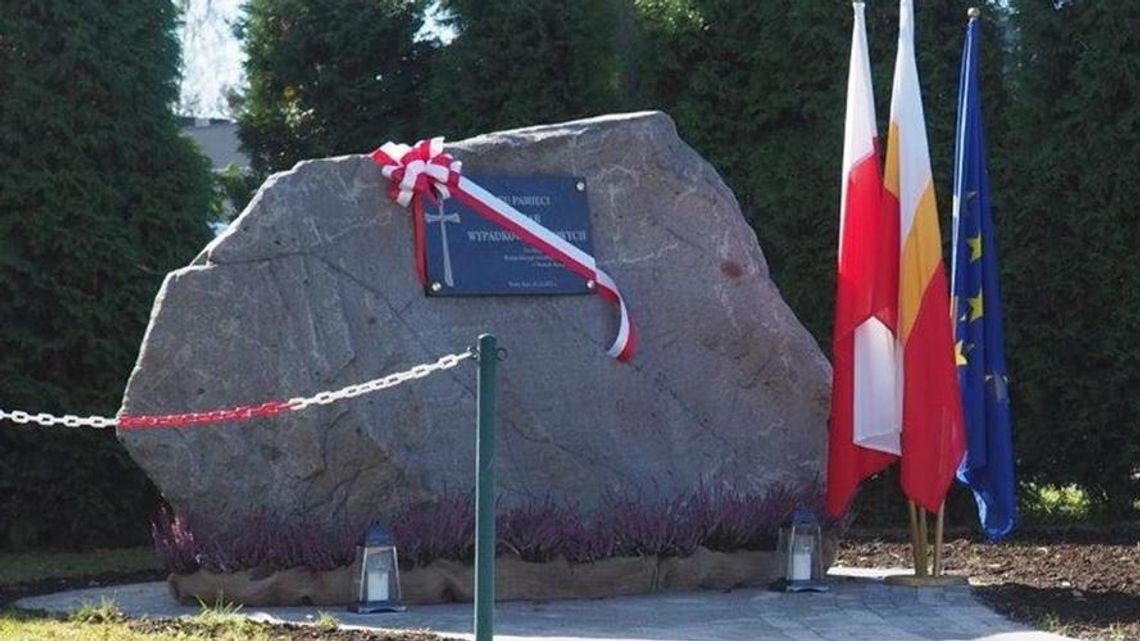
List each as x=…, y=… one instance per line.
x=865, y=403
x=933, y=436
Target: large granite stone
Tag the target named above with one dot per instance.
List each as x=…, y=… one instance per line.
x=314, y=287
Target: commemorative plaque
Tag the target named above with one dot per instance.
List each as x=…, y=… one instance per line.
x=468, y=255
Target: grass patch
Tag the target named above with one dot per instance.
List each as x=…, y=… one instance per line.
x=1055, y=504
x=326, y=621
x=103, y=620
x=212, y=624
x=37, y=566
x=106, y=611
x=221, y=614
x=15, y=624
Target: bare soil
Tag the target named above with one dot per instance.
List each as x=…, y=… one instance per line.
x=1073, y=584
x=286, y=632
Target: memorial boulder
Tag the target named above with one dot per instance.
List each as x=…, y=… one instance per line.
x=314, y=287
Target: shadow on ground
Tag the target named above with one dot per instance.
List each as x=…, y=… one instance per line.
x=1074, y=611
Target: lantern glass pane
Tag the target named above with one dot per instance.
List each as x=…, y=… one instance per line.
x=378, y=574
x=802, y=554
x=784, y=547
x=808, y=546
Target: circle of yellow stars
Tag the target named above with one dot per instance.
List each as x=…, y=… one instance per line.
x=975, y=302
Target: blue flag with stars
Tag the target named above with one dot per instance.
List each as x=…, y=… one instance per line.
x=976, y=304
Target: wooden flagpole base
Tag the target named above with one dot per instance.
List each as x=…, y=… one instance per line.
x=913, y=581
x=924, y=575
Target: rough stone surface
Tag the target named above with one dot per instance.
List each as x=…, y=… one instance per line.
x=314, y=287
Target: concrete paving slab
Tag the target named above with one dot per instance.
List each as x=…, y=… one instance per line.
x=858, y=608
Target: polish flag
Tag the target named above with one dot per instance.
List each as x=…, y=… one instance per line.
x=933, y=433
x=866, y=400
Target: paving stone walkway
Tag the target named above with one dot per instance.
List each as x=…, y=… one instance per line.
x=860, y=607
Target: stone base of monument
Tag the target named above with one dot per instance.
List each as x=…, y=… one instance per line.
x=445, y=581
x=295, y=586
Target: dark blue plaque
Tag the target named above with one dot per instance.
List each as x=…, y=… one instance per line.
x=468, y=255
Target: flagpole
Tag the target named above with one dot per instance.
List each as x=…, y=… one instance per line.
x=973, y=13
x=938, y=535
x=924, y=574
x=924, y=543
x=938, y=540
x=914, y=544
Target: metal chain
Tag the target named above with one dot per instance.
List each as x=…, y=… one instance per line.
x=241, y=413
x=377, y=384
x=68, y=420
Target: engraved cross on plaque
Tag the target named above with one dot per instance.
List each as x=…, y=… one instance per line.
x=443, y=219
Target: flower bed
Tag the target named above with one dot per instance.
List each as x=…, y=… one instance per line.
x=708, y=538
x=443, y=581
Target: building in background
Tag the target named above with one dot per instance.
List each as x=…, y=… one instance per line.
x=218, y=139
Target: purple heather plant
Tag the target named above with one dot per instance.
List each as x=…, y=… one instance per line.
x=663, y=527
x=537, y=531
x=717, y=517
x=445, y=530
x=174, y=542
x=263, y=542
x=732, y=520
x=590, y=539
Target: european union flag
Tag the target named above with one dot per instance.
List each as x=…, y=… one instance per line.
x=978, y=342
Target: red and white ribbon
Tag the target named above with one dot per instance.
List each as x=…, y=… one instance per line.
x=418, y=173
x=425, y=171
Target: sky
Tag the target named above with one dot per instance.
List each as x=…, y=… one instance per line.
x=212, y=57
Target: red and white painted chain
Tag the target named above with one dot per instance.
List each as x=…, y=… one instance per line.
x=271, y=408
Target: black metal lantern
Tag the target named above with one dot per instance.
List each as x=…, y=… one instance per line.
x=377, y=584
x=801, y=542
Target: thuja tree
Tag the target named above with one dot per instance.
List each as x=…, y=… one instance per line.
x=330, y=77
x=759, y=89
x=100, y=196
x=940, y=27
x=523, y=62
x=1069, y=229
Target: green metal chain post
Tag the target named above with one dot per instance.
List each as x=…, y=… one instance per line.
x=485, y=490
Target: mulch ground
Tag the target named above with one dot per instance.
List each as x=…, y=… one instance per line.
x=285, y=632
x=1088, y=588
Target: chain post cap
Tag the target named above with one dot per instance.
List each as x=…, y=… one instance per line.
x=974, y=13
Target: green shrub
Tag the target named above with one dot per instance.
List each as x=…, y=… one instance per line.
x=100, y=196
x=329, y=77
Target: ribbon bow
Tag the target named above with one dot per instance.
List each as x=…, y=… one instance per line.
x=416, y=173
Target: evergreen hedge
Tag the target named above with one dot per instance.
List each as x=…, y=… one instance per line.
x=100, y=196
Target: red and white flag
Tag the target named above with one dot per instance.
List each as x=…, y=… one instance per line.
x=866, y=400
x=933, y=435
